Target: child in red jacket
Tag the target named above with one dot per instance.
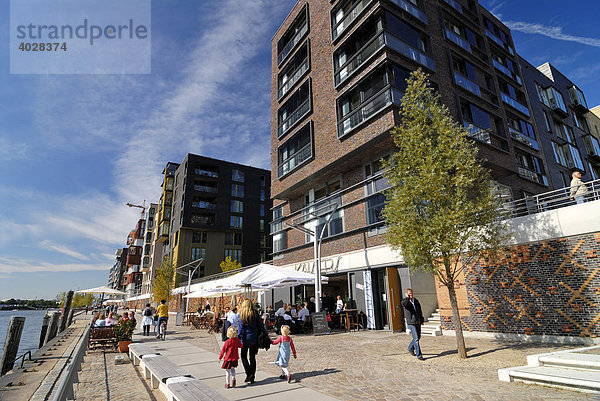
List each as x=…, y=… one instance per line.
x=230, y=351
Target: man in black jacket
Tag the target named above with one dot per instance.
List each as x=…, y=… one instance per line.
x=414, y=320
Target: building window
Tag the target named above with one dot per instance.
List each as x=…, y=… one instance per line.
x=202, y=203
x=234, y=254
x=263, y=181
x=376, y=199
x=279, y=241
x=206, y=171
x=581, y=122
x=262, y=209
x=531, y=167
x=564, y=132
x=233, y=238
x=262, y=194
x=199, y=237
x=237, y=206
x=203, y=219
x=567, y=155
x=236, y=221
x=237, y=175
x=263, y=256
x=522, y=131
x=297, y=150
x=237, y=190
x=263, y=241
x=547, y=121
x=294, y=109
x=261, y=225
x=196, y=253
x=551, y=97
x=292, y=36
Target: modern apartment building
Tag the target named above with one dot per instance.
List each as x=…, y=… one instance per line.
x=118, y=269
x=339, y=73
x=132, y=279
x=151, y=250
x=211, y=209
x=561, y=113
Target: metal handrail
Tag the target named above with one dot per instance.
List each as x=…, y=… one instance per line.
x=548, y=201
x=22, y=360
x=65, y=389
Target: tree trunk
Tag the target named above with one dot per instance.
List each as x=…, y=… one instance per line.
x=460, y=341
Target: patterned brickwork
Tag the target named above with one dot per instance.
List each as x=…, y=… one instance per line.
x=543, y=288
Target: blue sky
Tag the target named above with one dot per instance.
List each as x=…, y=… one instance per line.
x=75, y=148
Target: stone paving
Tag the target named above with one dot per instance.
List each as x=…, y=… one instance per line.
x=375, y=365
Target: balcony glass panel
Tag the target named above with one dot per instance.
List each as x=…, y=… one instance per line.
x=459, y=40
x=360, y=58
x=592, y=145
x=467, y=84
x=577, y=97
x=295, y=160
x=292, y=43
x=478, y=133
x=296, y=116
x=502, y=68
x=204, y=188
x=369, y=108
x=496, y=39
x=456, y=5
x=204, y=205
x=514, y=104
x=533, y=176
x=519, y=136
x=348, y=18
x=294, y=78
x=411, y=9
x=206, y=173
x=403, y=48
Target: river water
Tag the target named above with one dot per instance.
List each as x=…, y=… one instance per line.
x=30, y=337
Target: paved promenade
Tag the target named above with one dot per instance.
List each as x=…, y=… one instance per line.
x=366, y=365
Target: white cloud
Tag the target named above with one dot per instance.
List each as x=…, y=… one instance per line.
x=62, y=249
x=555, y=32
x=9, y=265
x=11, y=151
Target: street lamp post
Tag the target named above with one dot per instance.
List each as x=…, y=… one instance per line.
x=190, y=273
x=317, y=239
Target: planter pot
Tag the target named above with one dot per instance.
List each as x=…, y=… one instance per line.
x=123, y=346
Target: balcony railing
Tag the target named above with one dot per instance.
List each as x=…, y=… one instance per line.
x=467, y=84
x=533, y=175
x=296, y=160
x=296, y=116
x=456, y=5
x=292, y=43
x=206, y=173
x=411, y=9
x=204, y=205
x=547, y=201
x=341, y=26
x=368, y=109
x=592, y=145
x=405, y=49
x=204, y=188
x=459, y=40
x=296, y=75
x=359, y=58
x=481, y=134
x=524, y=139
x=514, y=104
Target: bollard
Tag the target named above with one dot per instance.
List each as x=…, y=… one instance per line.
x=52, y=327
x=45, y=322
x=71, y=313
x=11, y=344
x=66, y=310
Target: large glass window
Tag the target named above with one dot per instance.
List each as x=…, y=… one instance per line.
x=567, y=155
x=237, y=190
x=199, y=237
x=233, y=239
x=237, y=206
x=296, y=151
x=203, y=219
x=234, y=254
x=376, y=200
x=237, y=175
x=236, y=221
x=294, y=109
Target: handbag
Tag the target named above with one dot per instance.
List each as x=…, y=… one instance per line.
x=263, y=340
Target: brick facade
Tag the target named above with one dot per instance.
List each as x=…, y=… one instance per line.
x=543, y=288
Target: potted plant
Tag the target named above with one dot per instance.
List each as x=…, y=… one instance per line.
x=123, y=333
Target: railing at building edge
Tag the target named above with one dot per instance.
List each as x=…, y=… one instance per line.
x=548, y=201
x=70, y=376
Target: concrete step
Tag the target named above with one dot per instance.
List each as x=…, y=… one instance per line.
x=573, y=360
x=576, y=379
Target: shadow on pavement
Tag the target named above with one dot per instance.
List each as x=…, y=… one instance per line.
x=297, y=377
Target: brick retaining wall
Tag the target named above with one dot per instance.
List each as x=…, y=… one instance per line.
x=543, y=288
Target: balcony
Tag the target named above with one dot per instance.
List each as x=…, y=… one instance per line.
x=206, y=173
x=457, y=39
x=533, y=176
x=406, y=50
x=362, y=56
x=295, y=117
x=478, y=133
x=524, y=139
x=592, y=145
x=286, y=51
x=499, y=42
x=514, y=104
x=467, y=84
x=293, y=80
x=578, y=100
x=411, y=9
x=368, y=109
x=296, y=160
x=500, y=67
x=204, y=188
x=349, y=18
x=204, y=205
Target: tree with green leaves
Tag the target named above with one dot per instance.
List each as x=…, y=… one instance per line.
x=228, y=264
x=164, y=281
x=441, y=209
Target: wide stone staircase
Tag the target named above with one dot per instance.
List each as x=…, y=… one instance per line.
x=432, y=326
x=577, y=369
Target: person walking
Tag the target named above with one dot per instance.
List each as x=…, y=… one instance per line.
x=286, y=344
x=414, y=320
x=147, y=319
x=578, y=188
x=230, y=352
x=250, y=326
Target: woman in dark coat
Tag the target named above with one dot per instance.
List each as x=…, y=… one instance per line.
x=250, y=326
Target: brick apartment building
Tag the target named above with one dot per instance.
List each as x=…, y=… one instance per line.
x=339, y=72
x=568, y=139
x=212, y=209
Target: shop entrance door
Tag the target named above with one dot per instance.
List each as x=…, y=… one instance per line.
x=381, y=304
x=395, y=297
